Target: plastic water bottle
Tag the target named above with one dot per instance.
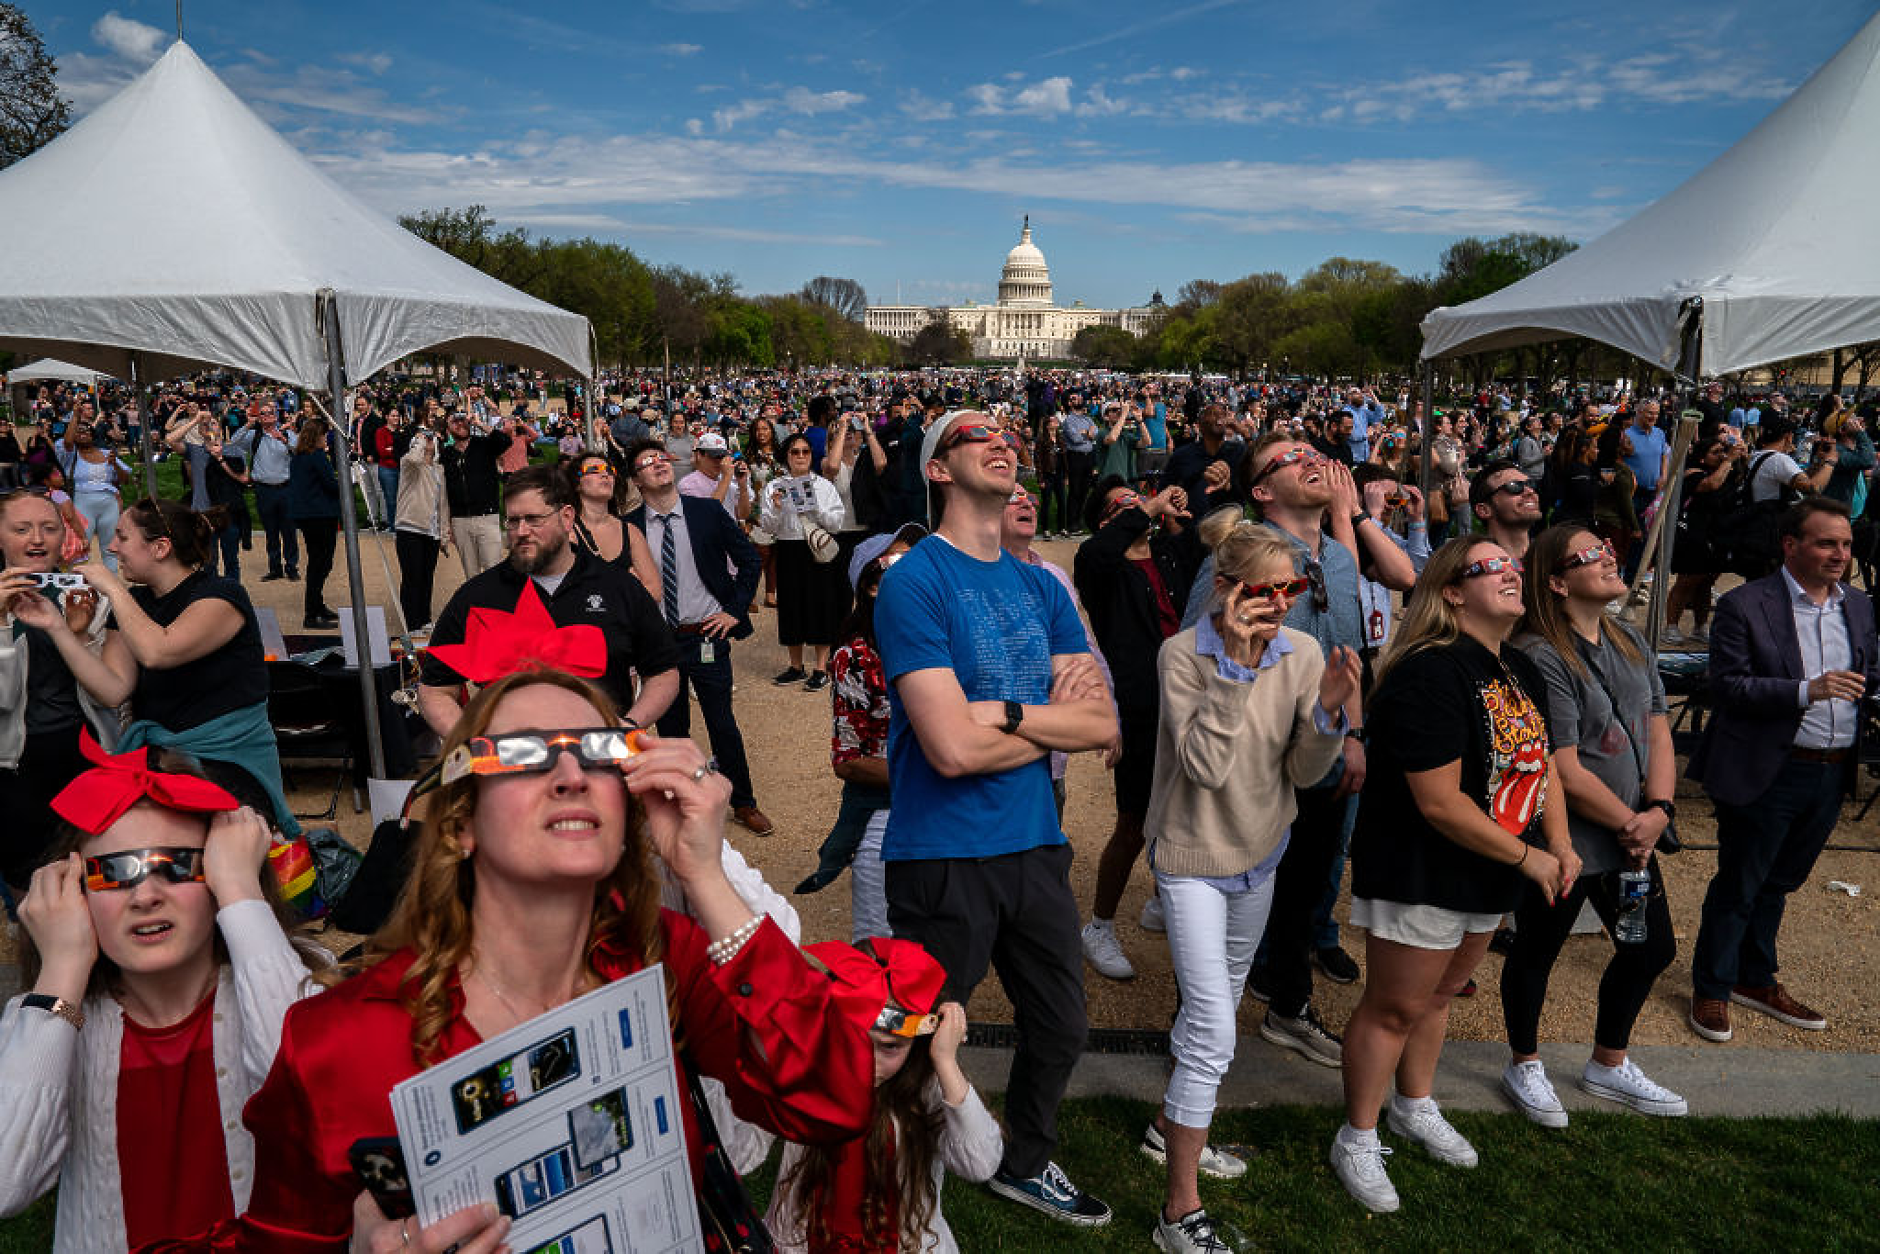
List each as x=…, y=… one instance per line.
x=1634, y=887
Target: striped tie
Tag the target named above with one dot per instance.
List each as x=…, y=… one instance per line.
x=668, y=573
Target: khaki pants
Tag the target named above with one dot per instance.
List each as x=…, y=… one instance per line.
x=479, y=541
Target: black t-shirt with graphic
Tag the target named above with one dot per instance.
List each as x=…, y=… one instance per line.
x=1456, y=703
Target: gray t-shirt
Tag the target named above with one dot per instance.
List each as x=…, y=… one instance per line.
x=1616, y=750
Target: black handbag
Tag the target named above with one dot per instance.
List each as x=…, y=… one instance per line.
x=728, y=1222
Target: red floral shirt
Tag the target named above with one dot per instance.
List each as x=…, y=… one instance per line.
x=860, y=694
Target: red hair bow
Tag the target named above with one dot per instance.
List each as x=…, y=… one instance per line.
x=879, y=972
x=497, y=644
x=99, y=797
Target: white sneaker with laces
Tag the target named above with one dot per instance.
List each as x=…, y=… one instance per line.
x=1193, y=1233
x=1214, y=1161
x=1360, y=1168
x=1152, y=919
x=1426, y=1126
x=1527, y=1086
x=1674, y=637
x=1629, y=1086
x=1105, y=952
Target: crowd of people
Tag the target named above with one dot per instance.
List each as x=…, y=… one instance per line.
x=1304, y=676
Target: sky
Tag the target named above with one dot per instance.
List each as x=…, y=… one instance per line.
x=900, y=143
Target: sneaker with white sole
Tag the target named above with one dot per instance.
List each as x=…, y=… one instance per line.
x=1305, y=1035
x=1527, y=1086
x=1629, y=1086
x=1426, y=1126
x=1360, y=1168
x=1051, y=1192
x=1193, y=1233
x=1152, y=919
x=1214, y=1162
x=1105, y=952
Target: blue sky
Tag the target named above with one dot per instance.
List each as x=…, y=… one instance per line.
x=898, y=143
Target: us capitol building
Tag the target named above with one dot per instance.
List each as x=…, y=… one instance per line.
x=1025, y=322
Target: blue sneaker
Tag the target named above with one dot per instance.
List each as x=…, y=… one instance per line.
x=1052, y=1192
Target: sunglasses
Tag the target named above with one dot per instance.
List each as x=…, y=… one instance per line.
x=596, y=470
x=973, y=433
x=533, y=752
x=1491, y=566
x=1585, y=557
x=133, y=866
x=1288, y=588
x=652, y=459
x=1121, y=502
x=905, y=1023
x=1291, y=457
x=1515, y=487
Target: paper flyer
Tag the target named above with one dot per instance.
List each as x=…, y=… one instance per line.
x=571, y=1123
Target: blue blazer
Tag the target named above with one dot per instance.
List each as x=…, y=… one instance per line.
x=1755, y=669
x=717, y=539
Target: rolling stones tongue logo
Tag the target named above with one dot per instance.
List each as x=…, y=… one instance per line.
x=1518, y=745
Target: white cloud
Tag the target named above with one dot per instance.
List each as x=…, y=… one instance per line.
x=681, y=50
x=803, y=100
x=374, y=62
x=743, y=111
x=1044, y=99
x=1097, y=104
x=128, y=38
x=924, y=108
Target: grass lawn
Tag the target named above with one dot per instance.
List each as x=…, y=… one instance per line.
x=1609, y=1181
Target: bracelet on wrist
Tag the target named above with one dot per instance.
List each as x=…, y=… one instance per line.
x=1524, y=853
x=725, y=948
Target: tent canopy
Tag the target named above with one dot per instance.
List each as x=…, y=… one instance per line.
x=46, y=368
x=173, y=223
x=1776, y=237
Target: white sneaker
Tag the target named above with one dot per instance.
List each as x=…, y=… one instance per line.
x=1629, y=1086
x=1214, y=1162
x=1674, y=638
x=1527, y=1086
x=1152, y=919
x=1360, y=1168
x=1193, y=1233
x=1426, y=1126
x=1105, y=952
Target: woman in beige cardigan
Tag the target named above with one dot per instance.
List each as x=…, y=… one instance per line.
x=1250, y=710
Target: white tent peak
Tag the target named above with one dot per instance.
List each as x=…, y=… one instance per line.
x=1775, y=235
x=172, y=221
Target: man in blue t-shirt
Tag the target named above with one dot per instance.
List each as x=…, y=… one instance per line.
x=988, y=671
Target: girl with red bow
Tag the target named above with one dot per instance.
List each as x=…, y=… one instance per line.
x=880, y=1193
x=160, y=975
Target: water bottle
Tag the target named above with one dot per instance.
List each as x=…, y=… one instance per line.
x=1634, y=887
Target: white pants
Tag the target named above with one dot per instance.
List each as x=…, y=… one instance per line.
x=868, y=883
x=479, y=541
x=1211, y=939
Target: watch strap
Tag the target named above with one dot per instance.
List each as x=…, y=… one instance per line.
x=57, y=1007
x=1014, y=715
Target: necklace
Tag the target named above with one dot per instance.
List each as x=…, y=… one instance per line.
x=510, y=1006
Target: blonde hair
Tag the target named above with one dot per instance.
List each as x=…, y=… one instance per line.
x=1429, y=620
x=433, y=918
x=1241, y=547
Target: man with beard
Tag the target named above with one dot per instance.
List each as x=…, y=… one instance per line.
x=576, y=587
x=1508, y=503
x=1204, y=469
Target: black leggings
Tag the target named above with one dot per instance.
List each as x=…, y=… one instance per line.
x=1540, y=931
x=318, y=536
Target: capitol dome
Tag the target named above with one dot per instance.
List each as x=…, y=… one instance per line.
x=1026, y=279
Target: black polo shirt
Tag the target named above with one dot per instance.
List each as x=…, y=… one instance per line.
x=593, y=592
x=471, y=484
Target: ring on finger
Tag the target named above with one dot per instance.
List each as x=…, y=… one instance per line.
x=404, y=1233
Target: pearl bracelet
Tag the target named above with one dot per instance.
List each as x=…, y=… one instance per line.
x=723, y=950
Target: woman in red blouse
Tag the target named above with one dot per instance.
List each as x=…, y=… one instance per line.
x=529, y=888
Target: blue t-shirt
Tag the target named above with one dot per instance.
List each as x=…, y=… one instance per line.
x=995, y=625
x=1647, y=455
x=1157, y=423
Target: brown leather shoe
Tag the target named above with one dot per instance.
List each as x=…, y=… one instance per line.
x=1710, y=1018
x=753, y=818
x=1775, y=1002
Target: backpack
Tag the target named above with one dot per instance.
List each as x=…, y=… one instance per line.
x=1749, y=537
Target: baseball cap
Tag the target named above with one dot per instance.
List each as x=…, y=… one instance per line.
x=874, y=546
x=713, y=443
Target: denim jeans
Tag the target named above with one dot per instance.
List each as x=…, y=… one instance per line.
x=868, y=888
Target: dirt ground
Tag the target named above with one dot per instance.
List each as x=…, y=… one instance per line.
x=1830, y=941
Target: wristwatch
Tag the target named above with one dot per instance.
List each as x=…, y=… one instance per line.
x=1357, y=734
x=1359, y=519
x=1669, y=807
x=1014, y=715
x=57, y=1007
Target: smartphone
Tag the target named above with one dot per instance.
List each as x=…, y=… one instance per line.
x=502, y=1086
x=541, y=1180
x=379, y=1162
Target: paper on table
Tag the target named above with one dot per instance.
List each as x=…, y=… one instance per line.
x=570, y=1123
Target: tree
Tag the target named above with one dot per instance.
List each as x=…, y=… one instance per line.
x=845, y=296
x=1197, y=294
x=1473, y=267
x=939, y=343
x=32, y=113
x=1104, y=346
x=1250, y=317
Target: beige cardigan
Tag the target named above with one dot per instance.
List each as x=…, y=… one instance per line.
x=1228, y=756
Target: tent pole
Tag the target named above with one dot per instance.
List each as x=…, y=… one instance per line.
x=140, y=406
x=326, y=308
x=1426, y=473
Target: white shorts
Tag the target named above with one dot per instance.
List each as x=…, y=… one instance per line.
x=1420, y=927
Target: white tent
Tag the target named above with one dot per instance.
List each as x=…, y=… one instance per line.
x=1768, y=252
x=175, y=224
x=59, y=371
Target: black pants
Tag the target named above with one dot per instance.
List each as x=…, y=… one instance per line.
x=1539, y=932
x=320, y=535
x=1077, y=484
x=1298, y=886
x=271, y=506
x=712, y=682
x=48, y=762
x=417, y=567
x=1016, y=914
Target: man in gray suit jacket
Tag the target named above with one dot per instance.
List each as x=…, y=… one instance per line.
x=1792, y=656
